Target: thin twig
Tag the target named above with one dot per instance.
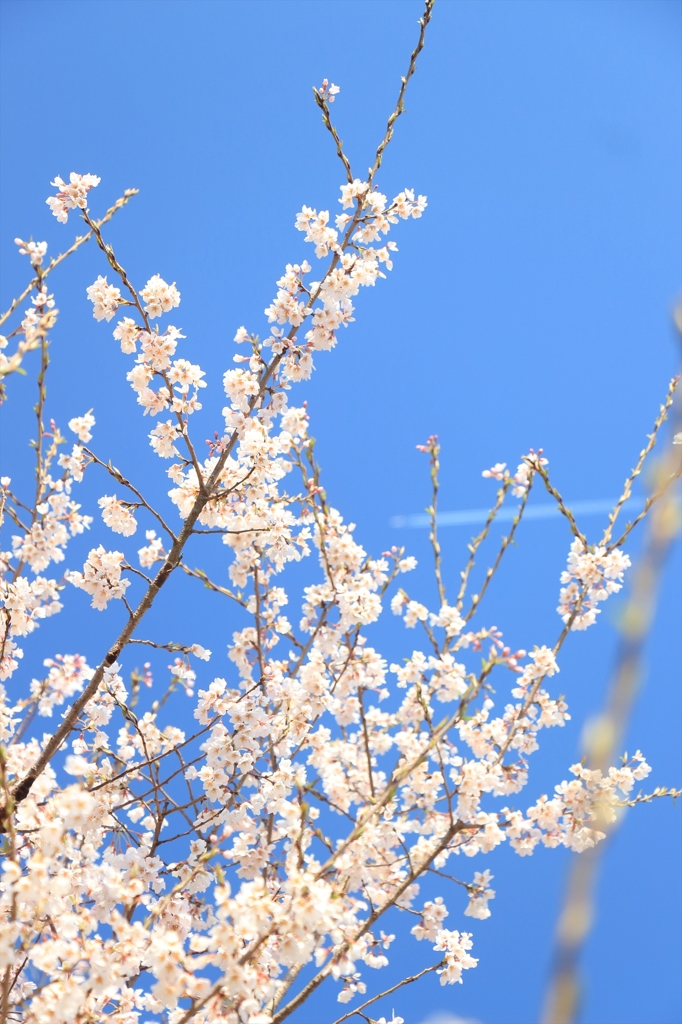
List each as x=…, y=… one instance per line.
x=627, y=488
x=399, y=107
x=118, y=476
x=326, y=118
x=565, y=511
x=477, y=541
x=388, y=991
x=506, y=541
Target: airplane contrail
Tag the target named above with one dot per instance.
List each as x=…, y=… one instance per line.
x=473, y=516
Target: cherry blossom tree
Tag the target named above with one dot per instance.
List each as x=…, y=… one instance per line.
x=222, y=872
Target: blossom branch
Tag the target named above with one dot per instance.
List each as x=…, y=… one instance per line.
x=119, y=478
x=80, y=240
x=322, y=102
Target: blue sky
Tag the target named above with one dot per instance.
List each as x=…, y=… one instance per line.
x=530, y=306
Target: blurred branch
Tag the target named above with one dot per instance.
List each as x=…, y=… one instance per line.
x=604, y=734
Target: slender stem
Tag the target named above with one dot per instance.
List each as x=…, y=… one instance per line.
x=506, y=541
x=653, y=436
x=433, y=448
x=477, y=541
x=400, y=107
x=651, y=500
x=365, y=734
x=326, y=118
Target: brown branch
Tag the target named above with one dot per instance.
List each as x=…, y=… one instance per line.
x=365, y=734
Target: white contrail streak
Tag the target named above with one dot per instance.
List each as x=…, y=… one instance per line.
x=473, y=516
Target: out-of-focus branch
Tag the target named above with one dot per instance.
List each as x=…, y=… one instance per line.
x=605, y=733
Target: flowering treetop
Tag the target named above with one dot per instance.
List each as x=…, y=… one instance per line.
x=153, y=872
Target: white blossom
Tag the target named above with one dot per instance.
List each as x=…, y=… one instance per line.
x=117, y=515
x=159, y=297
x=71, y=196
x=101, y=577
x=105, y=298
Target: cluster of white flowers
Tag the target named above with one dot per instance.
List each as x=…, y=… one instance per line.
x=34, y=250
x=152, y=552
x=68, y=674
x=105, y=298
x=82, y=426
x=72, y=196
x=520, y=481
x=479, y=895
x=159, y=297
x=101, y=577
x=180, y=379
x=590, y=577
x=117, y=515
x=456, y=946
x=568, y=818
x=163, y=438
x=55, y=518
x=25, y=602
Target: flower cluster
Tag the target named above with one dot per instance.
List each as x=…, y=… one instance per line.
x=159, y=297
x=101, y=577
x=152, y=552
x=568, y=819
x=54, y=519
x=82, y=426
x=520, y=481
x=57, y=518
x=117, y=515
x=479, y=895
x=34, y=250
x=590, y=577
x=180, y=379
x=455, y=946
x=105, y=298
x=72, y=196
x=328, y=91
x=67, y=676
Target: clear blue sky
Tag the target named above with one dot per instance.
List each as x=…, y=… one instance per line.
x=529, y=307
